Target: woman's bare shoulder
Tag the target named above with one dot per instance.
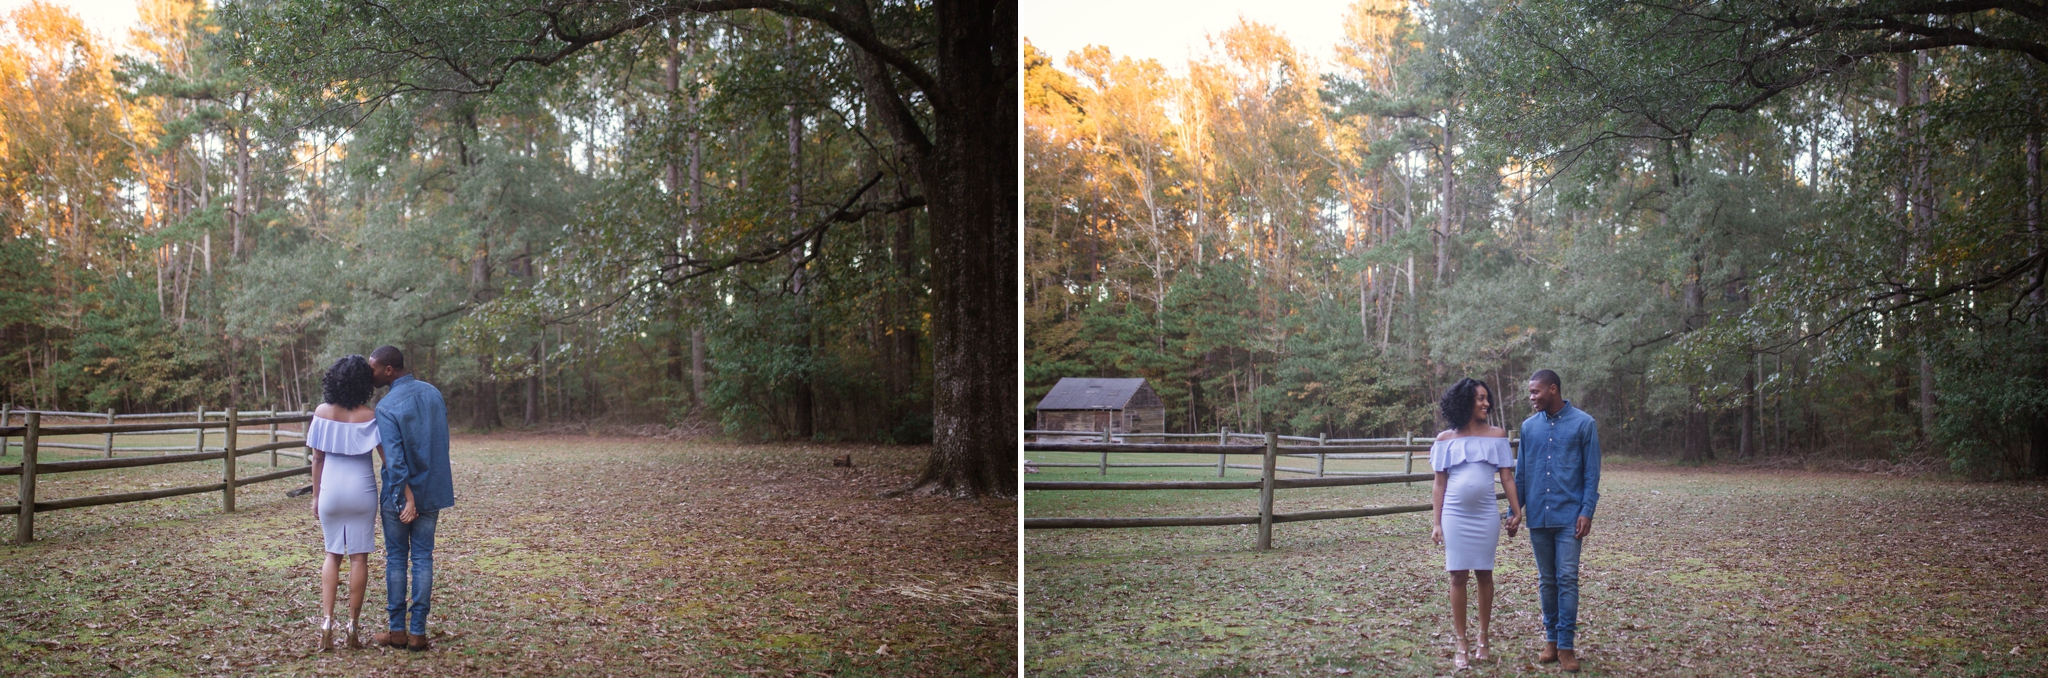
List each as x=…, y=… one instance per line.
x=1496, y=432
x=335, y=412
x=1447, y=434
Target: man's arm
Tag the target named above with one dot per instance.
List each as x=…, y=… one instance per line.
x=1589, y=492
x=1590, y=497
x=1521, y=497
x=392, y=437
x=417, y=465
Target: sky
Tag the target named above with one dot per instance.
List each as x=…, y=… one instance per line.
x=1173, y=31
x=111, y=18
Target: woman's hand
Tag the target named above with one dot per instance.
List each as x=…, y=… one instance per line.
x=1514, y=523
x=410, y=512
x=1436, y=534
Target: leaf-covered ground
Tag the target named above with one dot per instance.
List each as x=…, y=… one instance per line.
x=1689, y=572
x=564, y=555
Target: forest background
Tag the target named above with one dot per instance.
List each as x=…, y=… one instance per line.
x=1739, y=230
x=676, y=216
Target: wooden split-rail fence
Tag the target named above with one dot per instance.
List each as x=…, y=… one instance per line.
x=230, y=423
x=1402, y=448
x=1268, y=482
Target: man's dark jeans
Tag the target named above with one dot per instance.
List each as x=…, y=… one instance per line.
x=1557, y=582
x=409, y=548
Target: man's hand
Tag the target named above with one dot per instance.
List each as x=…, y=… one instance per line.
x=1585, y=527
x=1513, y=523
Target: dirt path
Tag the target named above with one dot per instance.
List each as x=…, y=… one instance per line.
x=564, y=555
x=1688, y=573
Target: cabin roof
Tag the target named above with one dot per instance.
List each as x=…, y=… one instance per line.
x=1080, y=393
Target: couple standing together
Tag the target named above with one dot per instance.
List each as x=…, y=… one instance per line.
x=1554, y=496
x=409, y=430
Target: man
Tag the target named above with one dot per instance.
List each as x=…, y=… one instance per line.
x=413, y=423
x=1558, y=480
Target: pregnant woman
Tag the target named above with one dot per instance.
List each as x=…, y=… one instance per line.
x=341, y=435
x=1466, y=458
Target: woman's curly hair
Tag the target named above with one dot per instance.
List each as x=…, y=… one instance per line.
x=347, y=382
x=1457, y=403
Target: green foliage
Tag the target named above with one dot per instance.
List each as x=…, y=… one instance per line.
x=297, y=190
x=1740, y=226
x=124, y=356
x=1994, y=384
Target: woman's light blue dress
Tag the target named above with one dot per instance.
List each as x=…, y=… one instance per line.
x=1471, y=516
x=348, y=483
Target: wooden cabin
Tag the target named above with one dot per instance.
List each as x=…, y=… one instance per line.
x=1082, y=404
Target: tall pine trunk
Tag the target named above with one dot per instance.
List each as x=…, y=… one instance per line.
x=2038, y=429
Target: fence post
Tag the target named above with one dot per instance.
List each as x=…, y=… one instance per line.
x=1408, y=440
x=273, y=436
x=110, y=434
x=25, y=520
x=198, y=434
x=1222, y=438
x=1266, y=491
x=1105, y=455
x=1322, y=458
x=227, y=463
x=6, y=410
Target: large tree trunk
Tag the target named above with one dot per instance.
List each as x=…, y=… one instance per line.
x=967, y=170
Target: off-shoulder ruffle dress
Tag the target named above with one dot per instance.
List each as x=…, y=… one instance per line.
x=1471, y=516
x=348, y=483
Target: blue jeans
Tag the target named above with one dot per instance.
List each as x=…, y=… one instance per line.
x=409, y=548
x=1557, y=582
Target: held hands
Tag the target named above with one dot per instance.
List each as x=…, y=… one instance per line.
x=411, y=509
x=1513, y=523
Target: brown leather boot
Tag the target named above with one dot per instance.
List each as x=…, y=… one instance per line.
x=418, y=642
x=1548, y=655
x=389, y=638
x=1568, y=660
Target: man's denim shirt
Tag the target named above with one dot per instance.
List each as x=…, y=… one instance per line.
x=413, y=423
x=1557, y=471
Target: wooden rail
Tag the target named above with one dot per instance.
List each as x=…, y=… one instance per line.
x=107, y=427
x=1325, y=449
x=1266, y=484
x=32, y=431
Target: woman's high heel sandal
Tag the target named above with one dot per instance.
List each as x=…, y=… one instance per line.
x=354, y=642
x=1458, y=661
x=326, y=634
x=1481, y=655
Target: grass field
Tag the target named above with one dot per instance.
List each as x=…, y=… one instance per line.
x=598, y=556
x=1689, y=571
